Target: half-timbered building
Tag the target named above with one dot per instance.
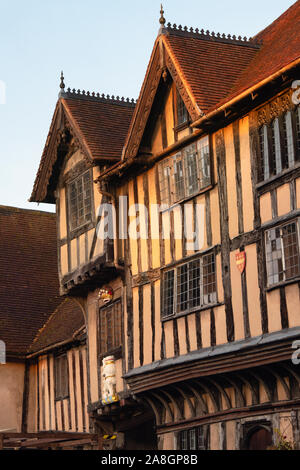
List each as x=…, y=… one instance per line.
x=191, y=300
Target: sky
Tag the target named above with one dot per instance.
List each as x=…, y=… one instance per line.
x=101, y=46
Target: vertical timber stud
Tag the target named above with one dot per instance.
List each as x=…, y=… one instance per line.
x=238, y=173
x=254, y=153
x=147, y=205
x=129, y=300
x=141, y=323
x=153, y=319
x=225, y=240
x=25, y=398
x=245, y=304
x=198, y=330
x=283, y=309
x=136, y=202
x=187, y=335
x=175, y=337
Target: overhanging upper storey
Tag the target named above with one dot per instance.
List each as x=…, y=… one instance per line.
x=97, y=126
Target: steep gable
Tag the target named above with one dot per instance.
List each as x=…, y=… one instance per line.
x=203, y=67
x=98, y=126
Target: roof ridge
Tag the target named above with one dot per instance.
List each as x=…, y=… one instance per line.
x=102, y=98
x=211, y=36
x=20, y=210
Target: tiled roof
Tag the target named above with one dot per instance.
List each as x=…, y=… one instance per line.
x=62, y=326
x=209, y=66
x=281, y=46
x=103, y=123
x=29, y=289
x=217, y=69
x=100, y=125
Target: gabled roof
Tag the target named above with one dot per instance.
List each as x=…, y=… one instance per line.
x=64, y=325
x=99, y=125
x=102, y=122
x=210, y=69
x=29, y=288
x=209, y=65
x=204, y=68
x=280, y=47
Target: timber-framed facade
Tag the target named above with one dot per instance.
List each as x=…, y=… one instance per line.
x=192, y=311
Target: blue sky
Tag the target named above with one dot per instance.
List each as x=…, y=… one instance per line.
x=101, y=46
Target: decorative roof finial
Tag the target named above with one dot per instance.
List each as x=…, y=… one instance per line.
x=62, y=84
x=162, y=19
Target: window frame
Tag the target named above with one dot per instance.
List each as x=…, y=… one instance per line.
x=202, y=306
x=283, y=257
x=115, y=350
x=58, y=392
x=167, y=180
x=179, y=103
x=199, y=432
x=287, y=138
x=72, y=229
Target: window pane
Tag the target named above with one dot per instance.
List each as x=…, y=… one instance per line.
x=209, y=279
x=264, y=150
x=111, y=328
x=274, y=259
x=182, y=288
x=288, y=138
x=61, y=377
x=298, y=130
x=57, y=378
x=190, y=158
x=168, y=294
x=80, y=201
x=291, y=250
x=64, y=377
x=277, y=165
x=178, y=177
x=182, y=114
x=201, y=441
x=194, y=283
x=164, y=171
x=192, y=439
x=184, y=440
x=204, y=162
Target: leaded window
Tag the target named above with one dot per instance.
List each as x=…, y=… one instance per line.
x=110, y=328
x=298, y=130
x=190, y=286
x=191, y=170
x=182, y=113
x=164, y=171
x=203, y=162
x=264, y=152
x=61, y=377
x=179, y=177
x=279, y=144
x=276, y=147
x=289, y=138
x=192, y=439
x=282, y=253
x=80, y=201
x=185, y=173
